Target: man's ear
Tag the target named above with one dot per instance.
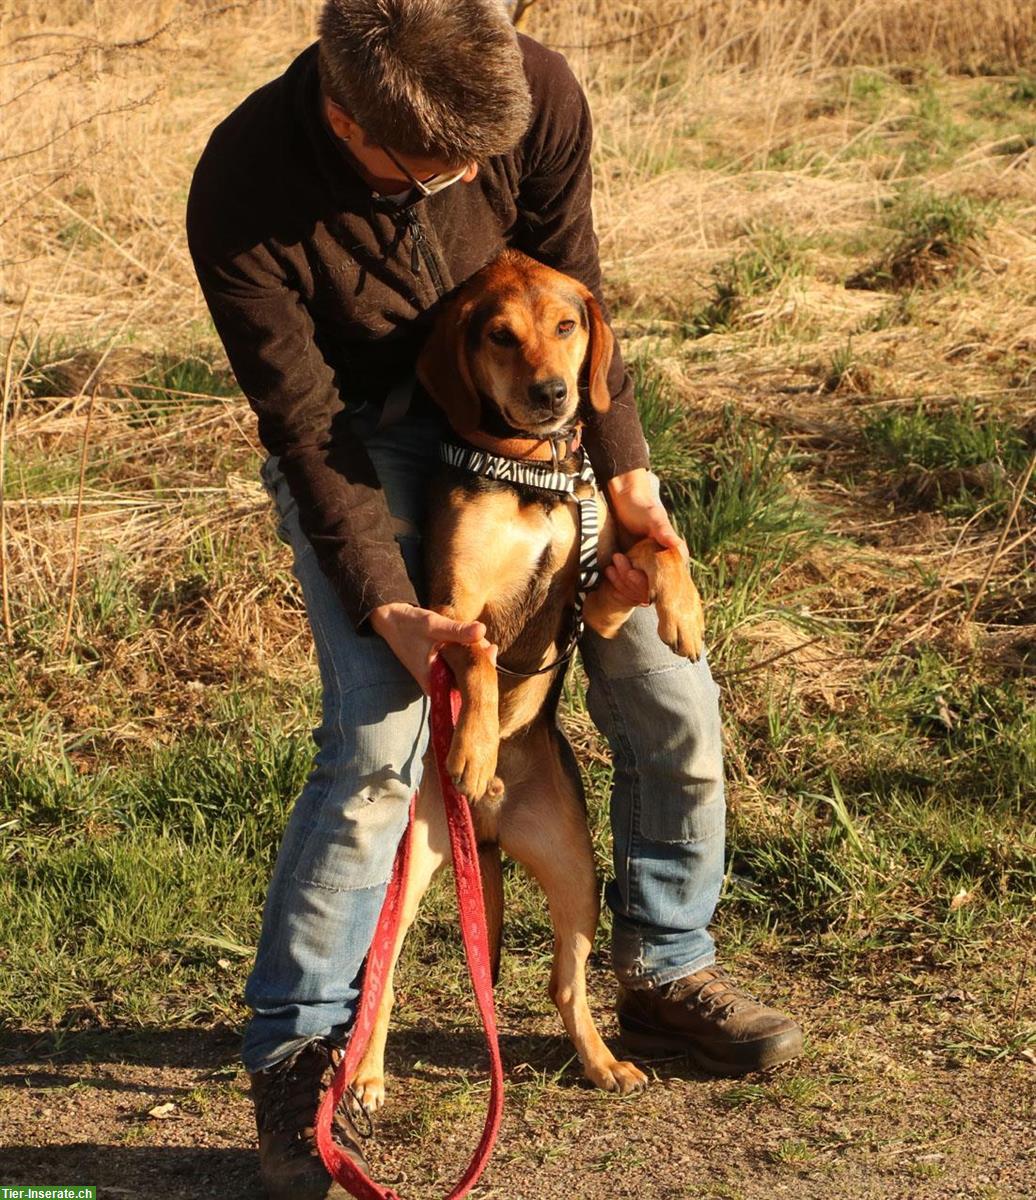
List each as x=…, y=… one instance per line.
x=444, y=370
x=598, y=355
x=342, y=125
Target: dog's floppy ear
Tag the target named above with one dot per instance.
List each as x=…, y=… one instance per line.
x=444, y=370
x=598, y=356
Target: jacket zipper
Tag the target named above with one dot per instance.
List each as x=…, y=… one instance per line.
x=422, y=250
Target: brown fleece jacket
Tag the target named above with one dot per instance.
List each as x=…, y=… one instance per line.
x=323, y=293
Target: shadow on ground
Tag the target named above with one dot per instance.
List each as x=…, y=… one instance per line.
x=26, y=1057
x=169, y=1171
x=154, y=1046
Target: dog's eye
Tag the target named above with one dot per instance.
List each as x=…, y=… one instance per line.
x=565, y=328
x=502, y=336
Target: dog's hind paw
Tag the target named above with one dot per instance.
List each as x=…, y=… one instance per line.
x=368, y=1092
x=615, y=1076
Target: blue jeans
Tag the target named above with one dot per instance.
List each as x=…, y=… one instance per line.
x=659, y=713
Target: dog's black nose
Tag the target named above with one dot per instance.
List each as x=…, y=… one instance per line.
x=550, y=393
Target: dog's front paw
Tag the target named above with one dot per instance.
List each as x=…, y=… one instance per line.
x=471, y=764
x=368, y=1091
x=615, y=1076
x=681, y=625
x=681, y=618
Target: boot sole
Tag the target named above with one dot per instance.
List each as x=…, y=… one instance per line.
x=766, y=1053
x=313, y=1188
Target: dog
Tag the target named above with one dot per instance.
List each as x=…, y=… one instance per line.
x=510, y=359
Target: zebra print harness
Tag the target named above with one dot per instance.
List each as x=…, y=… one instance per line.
x=548, y=478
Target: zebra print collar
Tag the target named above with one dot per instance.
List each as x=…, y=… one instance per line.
x=540, y=475
x=514, y=470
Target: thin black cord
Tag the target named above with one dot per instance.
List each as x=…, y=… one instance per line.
x=629, y=37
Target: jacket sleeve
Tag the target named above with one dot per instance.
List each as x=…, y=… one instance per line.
x=269, y=339
x=557, y=229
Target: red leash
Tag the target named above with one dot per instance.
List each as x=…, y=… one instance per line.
x=468, y=882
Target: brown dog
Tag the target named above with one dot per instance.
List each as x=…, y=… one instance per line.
x=506, y=361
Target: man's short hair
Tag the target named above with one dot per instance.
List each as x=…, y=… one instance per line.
x=433, y=78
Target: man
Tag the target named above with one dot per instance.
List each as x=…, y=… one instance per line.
x=328, y=216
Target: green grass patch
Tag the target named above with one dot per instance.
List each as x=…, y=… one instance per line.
x=123, y=884
x=902, y=820
x=938, y=135
x=934, y=238
x=189, y=376
x=53, y=476
x=226, y=787
x=772, y=257
x=901, y=310
x=729, y=494
x=52, y=366
x=127, y=929
x=1024, y=90
x=955, y=459
x=55, y=366
x=737, y=501
x=175, y=380
x=922, y=215
x=846, y=371
x=867, y=87
x=952, y=437
x=664, y=422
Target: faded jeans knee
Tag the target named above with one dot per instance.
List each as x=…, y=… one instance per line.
x=357, y=798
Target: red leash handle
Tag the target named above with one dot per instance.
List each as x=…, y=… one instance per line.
x=468, y=882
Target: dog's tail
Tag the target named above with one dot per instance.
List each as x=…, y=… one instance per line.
x=492, y=872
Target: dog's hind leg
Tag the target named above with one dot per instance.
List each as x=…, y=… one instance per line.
x=542, y=824
x=429, y=849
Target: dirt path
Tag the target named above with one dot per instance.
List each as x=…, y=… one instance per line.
x=873, y=1111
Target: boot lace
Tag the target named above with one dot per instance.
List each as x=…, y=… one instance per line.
x=289, y=1105
x=712, y=992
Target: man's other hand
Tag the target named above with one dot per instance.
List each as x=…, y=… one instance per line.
x=415, y=635
x=635, y=503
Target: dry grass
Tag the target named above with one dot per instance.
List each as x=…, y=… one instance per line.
x=967, y=35
x=726, y=134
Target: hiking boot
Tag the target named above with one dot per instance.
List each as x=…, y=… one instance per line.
x=705, y=1016
x=286, y=1098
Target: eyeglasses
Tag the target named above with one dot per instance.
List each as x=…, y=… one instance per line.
x=431, y=185
x=427, y=187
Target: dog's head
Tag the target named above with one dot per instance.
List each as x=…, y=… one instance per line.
x=523, y=339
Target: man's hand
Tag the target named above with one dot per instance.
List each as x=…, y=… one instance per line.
x=415, y=635
x=640, y=513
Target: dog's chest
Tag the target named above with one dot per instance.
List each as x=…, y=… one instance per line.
x=507, y=559
x=539, y=547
